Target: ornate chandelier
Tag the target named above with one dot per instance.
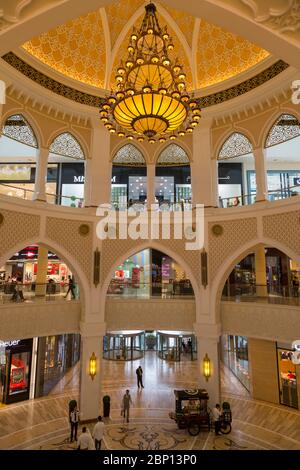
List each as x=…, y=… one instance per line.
x=150, y=99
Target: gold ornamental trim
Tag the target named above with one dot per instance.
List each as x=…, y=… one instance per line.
x=217, y=230
x=95, y=101
x=84, y=230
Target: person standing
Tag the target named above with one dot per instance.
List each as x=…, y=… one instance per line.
x=71, y=288
x=139, y=373
x=217, y=413
x=126, y=405
x=98, y=432
x=74, y=420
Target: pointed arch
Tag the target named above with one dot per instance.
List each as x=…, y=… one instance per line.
x=173, y=154
x=128, y=155
x=18, y=128
x=236, y=145
x=286, y=127
x=66, y=145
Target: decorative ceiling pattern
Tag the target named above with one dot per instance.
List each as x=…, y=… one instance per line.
x=177, y=52
x=184, y=21
x=222, y=55
x=118, y=15
x=75, y=49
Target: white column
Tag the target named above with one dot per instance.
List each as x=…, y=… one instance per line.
x=90, y=389
x=261, y=174
x=150, y=185
x=98, y=168
x=204, y=170
x=41, y=175
x=208, y=337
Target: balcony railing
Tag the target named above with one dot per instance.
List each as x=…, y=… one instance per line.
x=156, y=290
x=12, y=292
x=247, y=199
x=278, y=294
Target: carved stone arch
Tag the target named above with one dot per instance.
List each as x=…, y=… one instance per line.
x=143, y=246
x=63, y=255
x=227, y=266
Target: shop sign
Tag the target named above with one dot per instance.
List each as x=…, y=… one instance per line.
x=296, y=181
x=296, y=352
x=79, y=179
x=9, y=344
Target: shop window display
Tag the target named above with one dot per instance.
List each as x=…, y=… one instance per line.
x=235, y=356
x=287, y=377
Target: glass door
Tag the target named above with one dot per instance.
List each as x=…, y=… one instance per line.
x=287, y=378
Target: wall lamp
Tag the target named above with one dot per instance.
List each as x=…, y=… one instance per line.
x=92, y=366
x=206, y=367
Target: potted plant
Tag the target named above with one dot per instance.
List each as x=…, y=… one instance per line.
x=106, y=406
x=150, y=341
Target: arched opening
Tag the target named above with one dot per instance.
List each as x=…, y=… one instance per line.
x=18, y=158
x=173, y=189
x=36, y=367
x=35, y=273
x=282, y=158
x=129, y=178
x=265, y=276
x=67, y=158
x=150, y=274
x=235, y=167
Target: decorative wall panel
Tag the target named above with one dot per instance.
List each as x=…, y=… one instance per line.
x=285, y=228
x=16, y=227
x=66, y=233
x=235, y=234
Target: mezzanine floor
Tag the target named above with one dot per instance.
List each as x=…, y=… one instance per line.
x=43, y=423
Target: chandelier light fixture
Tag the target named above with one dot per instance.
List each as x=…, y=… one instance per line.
x=150, y=101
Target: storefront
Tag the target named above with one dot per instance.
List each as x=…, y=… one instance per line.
x=65, y=182
x=281, y=183
x=173, y=186
x=32, y=368
x=287, y=377
x=235, y=357
x=124, y=345
x=230, y=182
x=15, y=370
x=56, y=356
x=129, y=186
x=24, y=264
x=176, y=345
x=150, y=273
x=17, y=180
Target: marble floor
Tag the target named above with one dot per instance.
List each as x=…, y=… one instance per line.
x=42, y=424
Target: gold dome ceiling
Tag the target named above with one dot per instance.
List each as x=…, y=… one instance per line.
x=78, y=48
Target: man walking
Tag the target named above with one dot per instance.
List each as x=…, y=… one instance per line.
x=98, y=433
x=71, y=288
x=139, y=373
x=74, y=420
x=126, y=405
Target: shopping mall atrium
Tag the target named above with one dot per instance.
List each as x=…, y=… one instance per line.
x=150, y=216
